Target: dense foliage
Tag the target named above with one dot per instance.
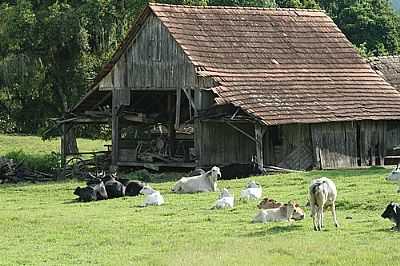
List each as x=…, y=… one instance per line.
x=51, y=50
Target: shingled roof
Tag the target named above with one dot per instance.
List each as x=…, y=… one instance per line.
x=279, y=65
x=388, y=67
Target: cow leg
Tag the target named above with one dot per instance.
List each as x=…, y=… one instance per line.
x=321, y=217
x=334, y=215
x=313, y=216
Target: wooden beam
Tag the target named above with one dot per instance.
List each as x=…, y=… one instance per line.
x=102, y=100
x=178, y=108
x=171, y=128
x=159, y=164
x=114, y=129
x=259, y=131
x=191, y=101
x=242, y=131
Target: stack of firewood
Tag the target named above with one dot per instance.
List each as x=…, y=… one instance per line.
x=14, y=172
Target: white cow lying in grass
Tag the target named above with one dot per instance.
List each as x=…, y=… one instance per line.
x=152, y=196
x=395, y=177
x=206, y=182
x=252, y=191
x=225, y=200
x=322, y=193
x=287, y=212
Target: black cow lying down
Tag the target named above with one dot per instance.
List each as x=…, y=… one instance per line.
x=95, y=190
x=98, y=185
x=107, y=188
x=132, y=187
x=85, y=194
x=392, y=212
x=114, y=188
x=237, y=170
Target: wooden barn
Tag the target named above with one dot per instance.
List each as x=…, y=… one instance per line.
x=388, y=67
x=201, y=86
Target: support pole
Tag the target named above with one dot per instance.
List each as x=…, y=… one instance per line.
x=259, y=133
x=171, y=127
x=115, y=128
x=178, y=108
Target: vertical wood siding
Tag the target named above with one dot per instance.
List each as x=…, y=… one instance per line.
x=220, y=144
x=153, y=61
x=335, y=144
x=288, y=146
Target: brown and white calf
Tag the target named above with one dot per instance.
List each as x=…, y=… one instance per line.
x=322, y=193
x=286, y=212
x=268, y=203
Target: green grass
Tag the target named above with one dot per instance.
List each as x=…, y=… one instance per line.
x=36, y=146
x=41, y=225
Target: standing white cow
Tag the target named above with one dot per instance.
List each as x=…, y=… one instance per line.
x=322, y=192
x=395, y=177
x=206, y=182
x=225, y=200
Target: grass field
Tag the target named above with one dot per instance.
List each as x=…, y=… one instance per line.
x=42, y=225
x=36, y=146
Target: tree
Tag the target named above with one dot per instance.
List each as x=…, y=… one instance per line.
x=372, y=23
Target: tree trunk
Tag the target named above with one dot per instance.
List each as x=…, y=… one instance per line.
x=71, y=145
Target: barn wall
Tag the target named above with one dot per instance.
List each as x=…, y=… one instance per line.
x=391, y=136
x=153, y=61
x=334, y=144
x=330, y=145
x=220, y=144
x=288, y=146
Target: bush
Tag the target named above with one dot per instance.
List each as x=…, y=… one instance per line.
x=45, y=163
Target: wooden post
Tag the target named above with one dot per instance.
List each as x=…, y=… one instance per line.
x=171, y=127
x=259, y=133
x=114, y=128
x=178, y=108
x=198, y=127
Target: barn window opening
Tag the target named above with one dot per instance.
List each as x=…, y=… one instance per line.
x=276, y=135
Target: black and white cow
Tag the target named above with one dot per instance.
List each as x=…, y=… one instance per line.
x=132, y=187
x=392, y=212
x=98, y=186
x=114, y=188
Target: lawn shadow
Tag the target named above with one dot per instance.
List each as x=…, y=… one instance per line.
x=383, y=230
x=274, y=230
x=72, y=201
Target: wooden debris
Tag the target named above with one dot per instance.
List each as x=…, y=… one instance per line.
x=12, y=172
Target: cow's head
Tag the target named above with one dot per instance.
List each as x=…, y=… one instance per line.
x=394, y=175
x=146, y=190
x=392, y=210
x=294, y=211
x=253, y=184
x=216, y=172
x=77, y=191
x=267, y=203
x=225, y=193
x=298, y=213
